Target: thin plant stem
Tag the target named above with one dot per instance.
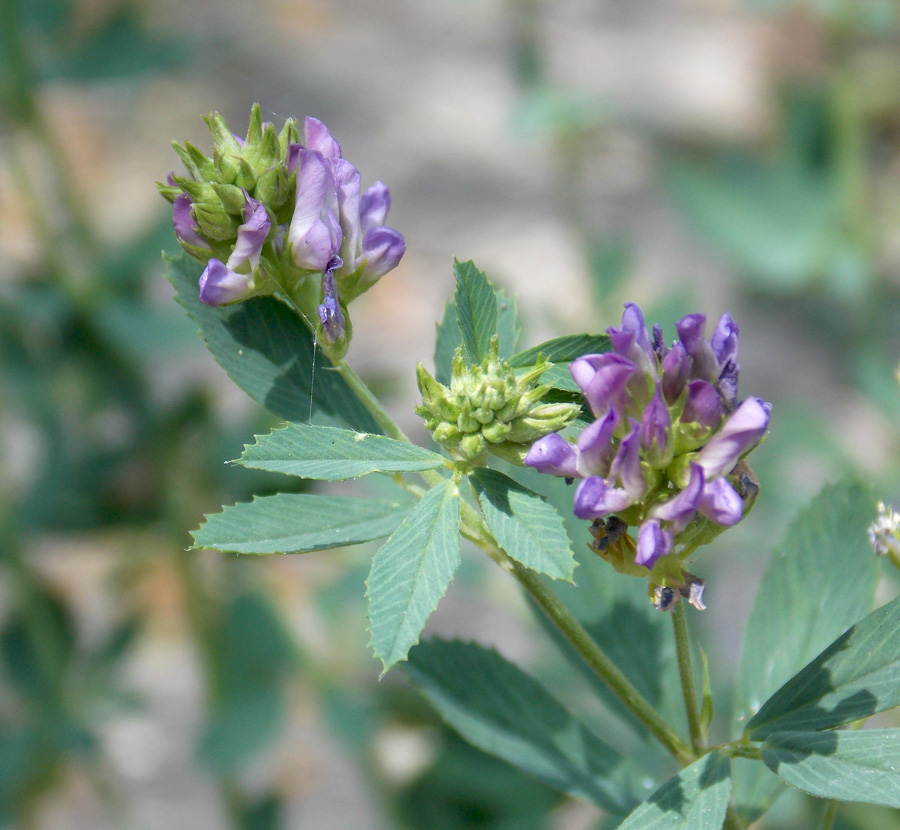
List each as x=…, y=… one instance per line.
x=472, y=528
x=732, y=820
x=683, y=652
x=829, y=814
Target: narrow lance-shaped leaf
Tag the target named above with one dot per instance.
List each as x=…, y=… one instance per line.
x=501, y=710
x=476, y=310
x=299, y=522
x=267, y=350
x=856, y=676
x=331, y=454
x=411, y=572
x=695, y=799
x=525, y=524
x=820, y=581
x=849, y=766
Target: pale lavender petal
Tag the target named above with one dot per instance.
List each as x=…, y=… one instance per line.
x=251, y=236
x=602, y=379
x=720, y=503
x=633, y=339
x=676, y=368
x=382, y=250
x=595, y=499
x=292, y=157
x=347, y=184
x=653, y=543
x=220, y=285
x=627, y=464
x=374, y=206
x=724, y=341
x=742, y=431
x=319, y=139
x=595, y=448
x=185, y=229
x=681, y=508
x=554, y=455
x=703, y=405
x=311, y=238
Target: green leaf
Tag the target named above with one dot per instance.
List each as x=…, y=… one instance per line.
x=501, y=710
x=476, y=310
x=449, y=339
x=331, y=454
x=267, y=350
x=411, y=572
x=298, y=522
x=525, y=524
x=507, y=324
x=695, y=799
x=820, y=581
x=856, y=676
x=562, y=349
x=849, y=766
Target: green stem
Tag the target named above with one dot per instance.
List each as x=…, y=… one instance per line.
x=683, y=652
x=473, y=528
x=829, y=815
x=732, y=821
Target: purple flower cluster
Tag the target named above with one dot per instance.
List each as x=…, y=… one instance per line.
x=668, y=434
x=308, y=229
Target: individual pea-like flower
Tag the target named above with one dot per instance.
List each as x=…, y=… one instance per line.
x=283, y=212
x=665, y=451
x=488, y=408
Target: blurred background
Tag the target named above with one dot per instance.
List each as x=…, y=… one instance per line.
x=686, y=154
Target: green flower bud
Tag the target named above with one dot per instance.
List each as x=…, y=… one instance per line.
x=488, y=408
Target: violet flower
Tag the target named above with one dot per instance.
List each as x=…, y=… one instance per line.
x=665, y=452
x=234, y=280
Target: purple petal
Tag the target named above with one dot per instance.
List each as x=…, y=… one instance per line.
x=595, y=448
x=251, y=236
x=720, y=503
x=680, y=509
x=655, y=424
x=382, y=251
x=602, y=379
x=220, y=285
x=675, y=368
x=703, y=405
x=742, y=431
x=627, y=464
x=311, y=238
x=659, y=345
x=319, y=139
x=185, y=229
x=330, y=313
x=633, y=339
x=703, y=362
x=292, y=157
x=374, y=206
x=554, y=455
x=347, y=184
x=724, y=341
x=595, y=499
x=653, y=543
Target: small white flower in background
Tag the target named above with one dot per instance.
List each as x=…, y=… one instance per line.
x=884, y=532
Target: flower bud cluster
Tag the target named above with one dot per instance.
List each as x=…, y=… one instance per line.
x=665, y=451
x=277, y=211
x=489, y=408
